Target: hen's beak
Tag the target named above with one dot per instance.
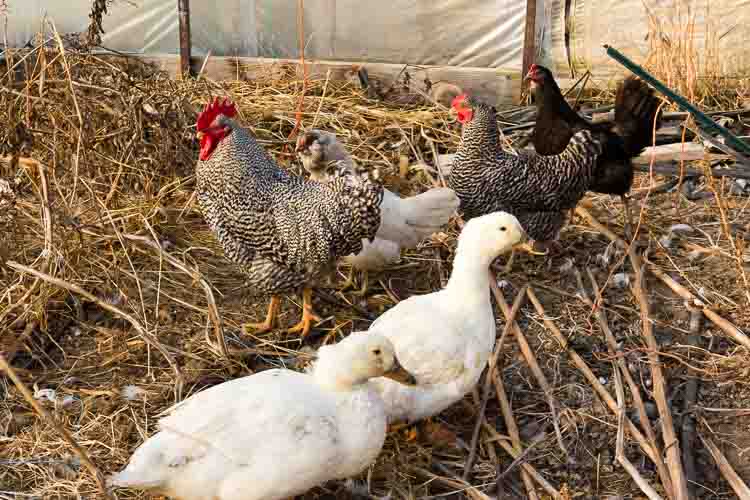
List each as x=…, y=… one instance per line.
x=399, y=374
x=528, y=247
x=199, y=135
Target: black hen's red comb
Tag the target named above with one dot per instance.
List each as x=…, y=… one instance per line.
x=214, y=109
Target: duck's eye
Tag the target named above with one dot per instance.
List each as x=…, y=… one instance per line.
x=376, y=352
x=502, y=228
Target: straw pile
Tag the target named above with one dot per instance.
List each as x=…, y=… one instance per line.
x=131, y=292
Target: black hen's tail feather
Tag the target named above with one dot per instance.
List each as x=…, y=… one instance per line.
x=636, y=109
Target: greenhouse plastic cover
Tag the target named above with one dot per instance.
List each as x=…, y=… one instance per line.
x=483, y=34
x=721, y=26
x=437, y=32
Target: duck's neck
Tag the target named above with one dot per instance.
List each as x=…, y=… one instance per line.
x=469, y=278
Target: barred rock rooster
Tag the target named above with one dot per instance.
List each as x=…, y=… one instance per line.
x=404, y=221
x=636, y=112
x=285, y=232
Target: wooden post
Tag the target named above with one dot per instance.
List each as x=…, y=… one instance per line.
x=529, y=44
x=183, y=7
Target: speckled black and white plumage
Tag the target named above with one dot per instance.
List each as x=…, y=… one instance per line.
x=536, y=189
x=285, y=232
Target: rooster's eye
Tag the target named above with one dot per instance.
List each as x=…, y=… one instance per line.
x=502, y=228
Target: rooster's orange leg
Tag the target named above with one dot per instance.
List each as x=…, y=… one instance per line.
x=267, y=325
x=308, y=316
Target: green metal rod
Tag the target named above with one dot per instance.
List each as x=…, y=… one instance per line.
x=703, y=121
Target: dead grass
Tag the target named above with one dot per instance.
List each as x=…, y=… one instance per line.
x=110, y=194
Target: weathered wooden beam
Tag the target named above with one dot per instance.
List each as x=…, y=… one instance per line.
x=495, y=86
x=183, y=7
x=529, y=44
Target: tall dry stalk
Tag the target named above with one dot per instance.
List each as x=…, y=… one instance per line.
x=95, y=31
x=684, y=51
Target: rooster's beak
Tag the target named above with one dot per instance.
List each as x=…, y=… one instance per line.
x=199, y=135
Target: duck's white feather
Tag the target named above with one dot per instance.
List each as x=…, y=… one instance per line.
x=445, y=338
x=267, y=436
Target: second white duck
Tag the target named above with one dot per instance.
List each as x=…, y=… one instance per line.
x=445, y=338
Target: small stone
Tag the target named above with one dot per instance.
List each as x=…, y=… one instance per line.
x=132, y=393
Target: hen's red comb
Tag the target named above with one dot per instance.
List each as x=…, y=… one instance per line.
x=214, y=109
x=458, y=100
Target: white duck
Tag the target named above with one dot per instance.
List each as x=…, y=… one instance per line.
x=274, y=434
x=445, y=338
x=404, y=221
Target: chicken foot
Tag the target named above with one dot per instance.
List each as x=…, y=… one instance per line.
x=349, y=283
x=267, y=325
x=308, y=316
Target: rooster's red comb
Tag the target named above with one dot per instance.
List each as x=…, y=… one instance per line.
x=214, y=109
x=458, y=100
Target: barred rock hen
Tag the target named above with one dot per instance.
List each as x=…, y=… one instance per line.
x=636, y=111
x=285, y=232
x=536, y=189
x=404, y=221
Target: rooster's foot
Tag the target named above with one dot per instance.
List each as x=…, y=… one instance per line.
x=308, y=316
x=268, y=324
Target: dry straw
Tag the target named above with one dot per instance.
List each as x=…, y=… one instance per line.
x=128, y=283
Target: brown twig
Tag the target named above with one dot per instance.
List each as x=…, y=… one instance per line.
x=527, y=470
x=601, y=318
x=533, y=364
x=453, y=481
x=579, y=362
x=47, y=224
x=510, y=423
x=691, y=396
x=77, y=156
x=146, y=336
x=489, y=376
x=725, y=325
x=671, y=443
x=645, y=487
x=734, y=480
x=60, y=429
x=213, y=311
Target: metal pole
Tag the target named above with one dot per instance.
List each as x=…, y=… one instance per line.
x=703, y=121
x=529, y=43
x=183, y=7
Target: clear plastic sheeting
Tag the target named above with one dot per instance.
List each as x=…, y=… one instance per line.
x=486, y=34
x=721, y=27
x=141, y=26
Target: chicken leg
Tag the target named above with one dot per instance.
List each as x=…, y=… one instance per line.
x=267, y=325
x=350, y=282
x=308, y=316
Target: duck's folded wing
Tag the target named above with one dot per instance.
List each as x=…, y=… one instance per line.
x=427, y=340
x=279, y=412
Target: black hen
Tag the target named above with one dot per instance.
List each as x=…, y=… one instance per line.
x=636, y=112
